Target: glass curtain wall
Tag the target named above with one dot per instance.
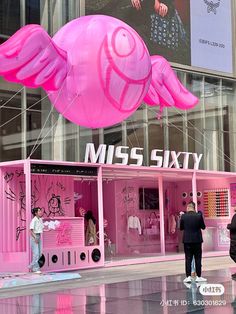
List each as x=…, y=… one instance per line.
x=29, y=126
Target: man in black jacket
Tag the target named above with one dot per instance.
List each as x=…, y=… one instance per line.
x=232, y=250
x=192, y=223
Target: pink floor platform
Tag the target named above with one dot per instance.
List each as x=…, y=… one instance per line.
x=115, y=194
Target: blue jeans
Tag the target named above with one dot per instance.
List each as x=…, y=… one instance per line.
x=36, y=252
x=193, y=268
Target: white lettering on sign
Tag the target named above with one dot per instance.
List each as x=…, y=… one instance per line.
x=162, y=158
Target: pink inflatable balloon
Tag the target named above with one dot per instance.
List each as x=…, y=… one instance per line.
x=96, y=70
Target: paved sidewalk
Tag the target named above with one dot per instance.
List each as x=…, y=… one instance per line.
x=111, y=275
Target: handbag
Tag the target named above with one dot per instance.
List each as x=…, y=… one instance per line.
x=169, y=31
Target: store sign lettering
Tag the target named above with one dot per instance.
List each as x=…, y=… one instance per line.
x=159, y=158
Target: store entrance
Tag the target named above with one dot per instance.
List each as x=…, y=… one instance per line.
x=131, y=212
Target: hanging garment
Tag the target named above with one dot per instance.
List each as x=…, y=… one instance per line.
x=172, y=224
x=134, y=223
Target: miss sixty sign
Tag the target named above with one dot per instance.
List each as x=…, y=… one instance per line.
x=159, y=157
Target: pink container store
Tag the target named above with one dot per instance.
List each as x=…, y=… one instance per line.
x=136, y=210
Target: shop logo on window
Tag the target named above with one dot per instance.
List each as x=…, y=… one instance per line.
x=212, y=6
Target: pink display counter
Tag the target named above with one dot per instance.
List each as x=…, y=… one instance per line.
x=136, y=210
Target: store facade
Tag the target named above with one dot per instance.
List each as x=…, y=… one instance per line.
x=137, y=211
x=30, y=128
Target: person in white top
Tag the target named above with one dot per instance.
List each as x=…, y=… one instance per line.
x=36, y=229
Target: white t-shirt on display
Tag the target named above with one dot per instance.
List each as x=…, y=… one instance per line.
x=36, y=225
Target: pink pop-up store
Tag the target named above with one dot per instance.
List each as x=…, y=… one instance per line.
x=137, y=208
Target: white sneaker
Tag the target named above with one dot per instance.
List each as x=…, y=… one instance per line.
x=187, y=285
x=38, y=272
x=187, y=279
x=200, y=279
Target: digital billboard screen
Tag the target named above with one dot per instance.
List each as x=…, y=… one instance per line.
x=193, y=32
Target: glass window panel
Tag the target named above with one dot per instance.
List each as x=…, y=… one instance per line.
x=136, y=125
x=229, y=126
x=113, y=136
x=9, y=16
x=212, y=154
x=10, y=99
x=175, y=125
x=32, y=8
x=195, y=116
x=33, y=132
x=85, y=137
x=11, y=136
x=72, y=140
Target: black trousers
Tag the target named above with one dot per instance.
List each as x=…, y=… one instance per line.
x=232, y=250
x=193, y=250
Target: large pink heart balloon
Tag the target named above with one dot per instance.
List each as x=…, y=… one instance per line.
x=96, y=70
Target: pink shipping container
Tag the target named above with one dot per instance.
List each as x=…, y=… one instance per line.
x=112, y=192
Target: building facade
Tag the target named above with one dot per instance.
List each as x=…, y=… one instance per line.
x=30, y=127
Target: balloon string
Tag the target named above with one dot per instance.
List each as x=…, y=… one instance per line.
x=11, y=98
x=53, y=105
x=53, y=126
x=23, y=111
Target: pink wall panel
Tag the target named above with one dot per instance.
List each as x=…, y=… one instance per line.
x=83, y=188
x=55, y=194
x=13, y=216
x=70, y=232
x=212, y=232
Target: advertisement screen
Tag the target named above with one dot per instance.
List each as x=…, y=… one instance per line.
x=211, y=35
x=193, y=32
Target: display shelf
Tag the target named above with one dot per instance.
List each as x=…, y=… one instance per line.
x=216, y=203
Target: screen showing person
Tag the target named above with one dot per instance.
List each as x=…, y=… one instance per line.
x=163, y=25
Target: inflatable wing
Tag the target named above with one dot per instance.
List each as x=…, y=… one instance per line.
x=165, y=88
x=31, y=57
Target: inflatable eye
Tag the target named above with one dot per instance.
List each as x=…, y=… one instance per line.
x=184, y=194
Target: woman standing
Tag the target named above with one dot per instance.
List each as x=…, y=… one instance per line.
x=90, y=235
x=36, y=230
